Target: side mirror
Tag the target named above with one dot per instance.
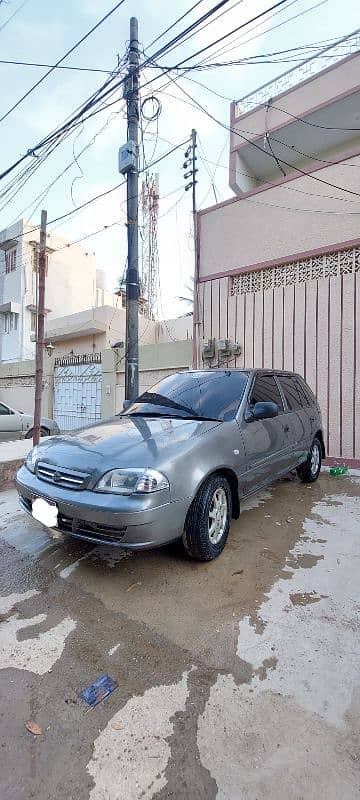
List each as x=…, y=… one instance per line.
x=262, y=411
x=126, y=404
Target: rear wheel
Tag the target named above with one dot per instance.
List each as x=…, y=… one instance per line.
x=43, y=432
x=310, y=470
x=208, y=520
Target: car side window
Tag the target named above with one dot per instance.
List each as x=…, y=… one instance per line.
x=265, y=390
x=291, y=390
x=4, y=411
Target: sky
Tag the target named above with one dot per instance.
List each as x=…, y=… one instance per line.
x=41, y=32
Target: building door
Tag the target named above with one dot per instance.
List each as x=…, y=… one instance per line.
x=77, y=391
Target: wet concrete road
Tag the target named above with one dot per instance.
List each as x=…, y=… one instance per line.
x=237, y=679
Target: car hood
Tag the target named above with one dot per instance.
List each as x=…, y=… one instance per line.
x=124, y=442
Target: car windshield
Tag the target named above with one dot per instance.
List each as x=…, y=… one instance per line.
x=201, y=395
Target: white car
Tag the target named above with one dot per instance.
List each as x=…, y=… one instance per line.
x=17, y=425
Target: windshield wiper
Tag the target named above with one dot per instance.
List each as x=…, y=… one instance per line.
x=161, y=400
x=168, y=415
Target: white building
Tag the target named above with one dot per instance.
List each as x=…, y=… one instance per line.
x=71, y=286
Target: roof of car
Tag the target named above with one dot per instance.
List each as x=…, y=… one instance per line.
x=249, y=370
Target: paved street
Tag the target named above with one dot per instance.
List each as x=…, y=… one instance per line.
x=237, y=679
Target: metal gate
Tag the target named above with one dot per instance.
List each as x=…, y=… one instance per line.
x=77, y=391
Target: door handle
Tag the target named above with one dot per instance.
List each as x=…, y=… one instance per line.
x=286, y=428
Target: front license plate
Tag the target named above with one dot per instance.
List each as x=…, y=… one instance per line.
x=45, y=512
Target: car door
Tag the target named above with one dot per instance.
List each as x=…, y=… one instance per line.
x=264, y=439
x=10, y=423
x=298, y=427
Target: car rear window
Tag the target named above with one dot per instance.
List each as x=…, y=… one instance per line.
x=310, y=398
x=216, y=395
x=297, y=393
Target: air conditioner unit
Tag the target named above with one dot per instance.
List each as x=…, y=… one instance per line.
x=208, y=349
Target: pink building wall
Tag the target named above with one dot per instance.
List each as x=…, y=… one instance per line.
x=298, y=215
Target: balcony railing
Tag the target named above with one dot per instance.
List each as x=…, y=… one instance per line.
x=311, y=66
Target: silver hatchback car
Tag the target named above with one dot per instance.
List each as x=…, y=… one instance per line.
x=178, y=462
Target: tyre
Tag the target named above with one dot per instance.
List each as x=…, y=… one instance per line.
x=310, y=470
x=208, y=520
x=43, y=432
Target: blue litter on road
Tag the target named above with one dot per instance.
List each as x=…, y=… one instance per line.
x=98, y=690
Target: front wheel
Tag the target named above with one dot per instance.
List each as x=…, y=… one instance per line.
x=208, y=520
x=310, y=470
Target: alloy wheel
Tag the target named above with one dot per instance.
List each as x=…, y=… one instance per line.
x=218, y=514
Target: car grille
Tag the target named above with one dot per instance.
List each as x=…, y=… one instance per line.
x=80, y=528
x=59, y=476
x=90, y=530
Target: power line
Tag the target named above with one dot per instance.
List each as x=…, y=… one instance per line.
x=190, y=29
x=68, y=52
x=103, y=194
x=211, y=21
x=175, y=23
x=103, y=92
x=240, y=38
x=239, y=133
x=96, y=98
x=313, y=124
x=54, y=66
x=227, y=49
x=40, y=197
x=167, y=70
x=287, y=188
x=116, y=222
x=14, y=14
x=226, y=35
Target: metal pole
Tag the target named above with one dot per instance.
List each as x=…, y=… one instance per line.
x=196, y=317
x=132, y=274
x=40, y=329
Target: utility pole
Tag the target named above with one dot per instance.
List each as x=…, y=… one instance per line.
x=132, y=273
x=39, y=363
x=190, y=161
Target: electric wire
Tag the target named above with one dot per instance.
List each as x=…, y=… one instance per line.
x=14, y=14
x=54, y=66
x=103, y=91
x=105, y=193
x=68, y=52
x=175, y=23
x=313, y=124
x=239, y=133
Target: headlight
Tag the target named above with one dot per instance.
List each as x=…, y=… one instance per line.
x=132, y=481
x=31, y=459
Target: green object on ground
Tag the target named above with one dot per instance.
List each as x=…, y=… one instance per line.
x=335, y=471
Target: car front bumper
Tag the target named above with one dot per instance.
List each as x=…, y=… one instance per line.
x=105, y=518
